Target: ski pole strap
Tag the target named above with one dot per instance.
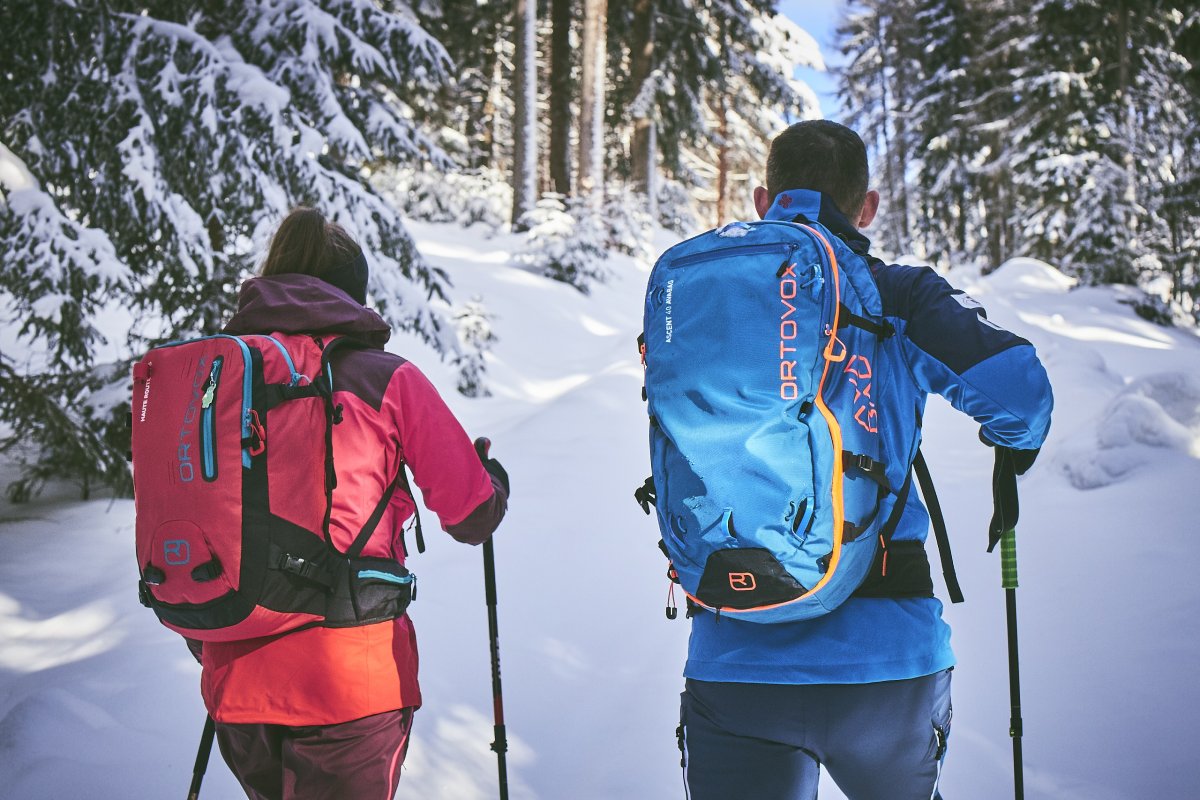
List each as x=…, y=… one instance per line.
x=939, y=526
x=402, y=480
x=1008, y=559
x=1005, y=506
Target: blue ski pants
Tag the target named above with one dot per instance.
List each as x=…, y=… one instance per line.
x=755, y=741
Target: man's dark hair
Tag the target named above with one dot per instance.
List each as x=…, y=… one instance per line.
x=820, y=155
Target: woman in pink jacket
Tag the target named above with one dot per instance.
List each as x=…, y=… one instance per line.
x=326, y=712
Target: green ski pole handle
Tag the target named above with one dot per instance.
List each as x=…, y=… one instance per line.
x=1008, y=559
x=1008, y=568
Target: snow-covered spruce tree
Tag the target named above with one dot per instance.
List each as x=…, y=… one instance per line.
x=880, y=80
x=1177, y=210
x=567, y=241
x=476, y=103
x=751, y=103
x=149, y=150
x=1165, y=91
x=1100, y=134
x=474, y=324
x=1054, y=128
x=719, y=88
x=1063, y=148
x=633, y=53
x=46, y=419
x=945, y=113
x=463, y=197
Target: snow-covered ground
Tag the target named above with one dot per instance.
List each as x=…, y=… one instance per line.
x=99, y=701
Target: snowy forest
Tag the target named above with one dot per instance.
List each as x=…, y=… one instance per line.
x=1059, y=130
x=147, y=149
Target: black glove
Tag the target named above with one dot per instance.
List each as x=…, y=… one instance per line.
x=482, y=446
x=1022, y=460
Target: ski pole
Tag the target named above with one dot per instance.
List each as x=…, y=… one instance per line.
x=500, y=745
x=1003, y=530
x=202, y=754
x=1008, y=566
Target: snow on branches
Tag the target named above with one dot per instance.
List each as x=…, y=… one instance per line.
x=148, y=150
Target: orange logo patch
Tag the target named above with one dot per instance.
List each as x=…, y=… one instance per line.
x=742, y=581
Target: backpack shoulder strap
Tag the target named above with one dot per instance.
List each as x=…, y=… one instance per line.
x=882, y=330
x=939, y=526
x=334, y=416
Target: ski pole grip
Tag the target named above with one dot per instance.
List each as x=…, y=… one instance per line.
x=1008, y=558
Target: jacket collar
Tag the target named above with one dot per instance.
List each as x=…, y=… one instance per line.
x=293, y=303
x=817, y=207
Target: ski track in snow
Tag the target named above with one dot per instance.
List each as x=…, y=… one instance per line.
x=98, y=700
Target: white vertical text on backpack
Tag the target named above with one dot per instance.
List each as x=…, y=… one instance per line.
x=233, y=483
x=777, y=479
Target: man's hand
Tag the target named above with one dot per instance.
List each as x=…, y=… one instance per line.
x=482, y=446
x=1022, y=460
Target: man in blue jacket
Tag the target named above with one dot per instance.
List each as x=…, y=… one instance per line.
x=865, y=689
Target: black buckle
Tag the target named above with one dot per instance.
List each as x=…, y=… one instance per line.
x=864, y=463
x=297, y=566
x=646, y=495
x=144, y=594
x=207, y=571
x=875, y=470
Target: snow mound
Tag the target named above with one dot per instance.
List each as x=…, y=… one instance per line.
x=1023, y=275
x=1160, y=411
x=40, y=718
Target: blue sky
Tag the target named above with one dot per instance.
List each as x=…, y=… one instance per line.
x=820, y=19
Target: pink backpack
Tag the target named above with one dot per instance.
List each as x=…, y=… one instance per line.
x=233, y=474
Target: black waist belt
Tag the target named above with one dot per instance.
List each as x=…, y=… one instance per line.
x=904, y=574
x=901, y=568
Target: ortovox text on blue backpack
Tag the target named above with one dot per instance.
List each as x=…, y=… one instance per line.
x=775, y=474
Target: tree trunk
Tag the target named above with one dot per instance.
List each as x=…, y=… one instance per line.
x=652, y=171
x=641, y=64
x=490, y=117
x=1124, y=92
x=524, y=114
x=560, y=96
x=900, y=178
x=591, y=101
x=722, y=160
x=887, y=118
x=997, y=204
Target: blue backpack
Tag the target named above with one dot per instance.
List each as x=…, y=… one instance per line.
x=769, y=456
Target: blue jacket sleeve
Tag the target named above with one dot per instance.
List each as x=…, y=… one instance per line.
x=953, y=350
